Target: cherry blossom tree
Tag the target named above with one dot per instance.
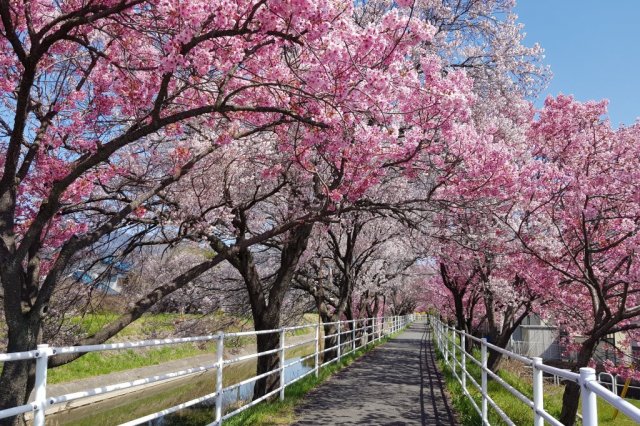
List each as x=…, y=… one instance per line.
x=350, y=266
x=478, y=265
x=579, y=216
x=122, y=117
x=334, y=168
x=93, y=89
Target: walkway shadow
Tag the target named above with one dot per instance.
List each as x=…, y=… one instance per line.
x=438, y=402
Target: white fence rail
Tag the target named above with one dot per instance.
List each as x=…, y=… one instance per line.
x=451, y=343
x=351, y=335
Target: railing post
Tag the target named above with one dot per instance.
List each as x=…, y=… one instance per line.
x=589, y=398
x=538, y=396
x=374, y=330
x=282, y=332
x=372, y=337
x=353, y=335
x=445, y=341
x=366, y=330
x=315, y=358
x=339, y=348
x=463, y=360
x=40, y=385
x=483, y=359
x=219, y=386
x=453, y=350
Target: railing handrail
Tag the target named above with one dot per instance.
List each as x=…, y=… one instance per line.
x=446, y=340
x=373, y=329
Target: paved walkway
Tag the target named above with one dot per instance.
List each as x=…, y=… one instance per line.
x=395, y=384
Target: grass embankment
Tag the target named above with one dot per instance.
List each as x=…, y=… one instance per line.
x=150, y=326
x=518, y=412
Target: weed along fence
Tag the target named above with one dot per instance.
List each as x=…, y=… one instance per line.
x=349, y=336
x=452, y=344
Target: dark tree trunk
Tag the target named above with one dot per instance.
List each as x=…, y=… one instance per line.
x=372, y=312
x=493, y=360
x=266, y=363
x=17, y=378
x=24, y=333
x=571, y=395
x=458, y=294
x=500, y=339
x=570, y=399
x=330, y=342
x=266, y=306
x=499, y=334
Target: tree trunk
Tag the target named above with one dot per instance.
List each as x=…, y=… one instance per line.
x=266, y=309
x=493, y=360
x=571, y=395
x=330, y=342
x=266, y=363
x=372, y=312
x=570, y=400
x=17, y=378
x=500, y=339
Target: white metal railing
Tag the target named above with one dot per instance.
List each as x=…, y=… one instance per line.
x=555, y=351
x=350, y=335
x=452, y=344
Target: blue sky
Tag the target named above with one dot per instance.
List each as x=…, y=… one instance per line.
x=593, y=48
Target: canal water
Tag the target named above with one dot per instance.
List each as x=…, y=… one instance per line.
x=117, y=410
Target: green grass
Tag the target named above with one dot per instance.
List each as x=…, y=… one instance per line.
x=94, y=363
x=148, y=326
x=151, y=325
x=518, y=412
